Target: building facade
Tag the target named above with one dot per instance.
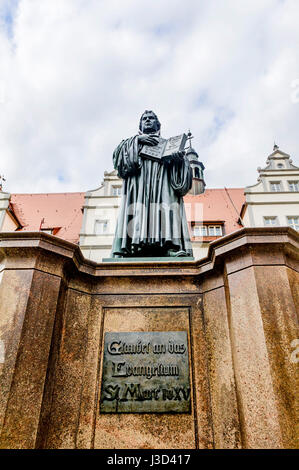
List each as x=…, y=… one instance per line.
x=6, y=224
x=274, y=199
x=99, y=218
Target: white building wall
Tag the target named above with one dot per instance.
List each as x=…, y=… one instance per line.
x=100, y=205
x=262, y=201
x=9, y=224
x=4, y=203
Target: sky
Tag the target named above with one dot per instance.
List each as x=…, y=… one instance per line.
x=75, y=76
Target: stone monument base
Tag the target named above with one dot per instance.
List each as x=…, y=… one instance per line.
x=149, y=355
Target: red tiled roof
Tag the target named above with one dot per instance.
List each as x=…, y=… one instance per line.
x=216, y=205
x=62, y=211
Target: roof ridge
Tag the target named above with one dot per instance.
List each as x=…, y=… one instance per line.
x=44, y=194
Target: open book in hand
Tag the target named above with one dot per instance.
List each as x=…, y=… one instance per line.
x=164, y=148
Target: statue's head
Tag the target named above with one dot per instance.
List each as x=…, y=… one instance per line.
x=149, y=123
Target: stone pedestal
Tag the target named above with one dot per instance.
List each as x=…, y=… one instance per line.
x=239, y=307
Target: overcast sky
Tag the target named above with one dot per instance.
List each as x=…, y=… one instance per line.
x=75, y=75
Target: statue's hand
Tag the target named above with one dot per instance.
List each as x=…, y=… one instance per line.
x=174, y=157
x=179, y=156
x=145, y=139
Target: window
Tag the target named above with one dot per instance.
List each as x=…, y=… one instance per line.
x=47, y=230
x=275, y=186
x=294, y=186
x=268, y=221
x=196, y=173
x=215, y=230
x=101, y=227
x=116, y=190
x=279, y=165
x=293, y=221
x=200, y=231
x=207, y=230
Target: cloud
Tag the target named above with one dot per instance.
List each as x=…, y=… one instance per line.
x=75, y=76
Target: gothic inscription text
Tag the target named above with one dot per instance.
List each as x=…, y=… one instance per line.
x=145, y=372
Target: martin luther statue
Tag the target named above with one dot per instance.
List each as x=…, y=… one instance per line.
x=152, y=220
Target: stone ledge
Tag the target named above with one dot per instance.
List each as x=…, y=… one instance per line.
x=284, y=237
x=164, y=259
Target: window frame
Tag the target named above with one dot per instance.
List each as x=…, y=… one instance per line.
x=205, y=227
x=200, y=227
x=293, y=225
x=215, y=227
x=117, y=189
x=279, y=184
x=293, y=182
x=98, y=222
x=270, y=217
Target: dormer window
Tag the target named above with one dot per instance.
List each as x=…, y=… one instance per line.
x=207, y=230
x=200, y=231
x=49, y=231
x=215, y=231
x=275, y=186
x=293, y=186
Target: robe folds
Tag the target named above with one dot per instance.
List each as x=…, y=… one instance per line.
x=152, y=219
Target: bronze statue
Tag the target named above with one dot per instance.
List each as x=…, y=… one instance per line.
x=152, y=220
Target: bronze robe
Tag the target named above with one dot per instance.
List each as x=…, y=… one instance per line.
x=152, y=217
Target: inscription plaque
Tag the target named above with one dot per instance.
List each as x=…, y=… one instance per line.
x=145, y=372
